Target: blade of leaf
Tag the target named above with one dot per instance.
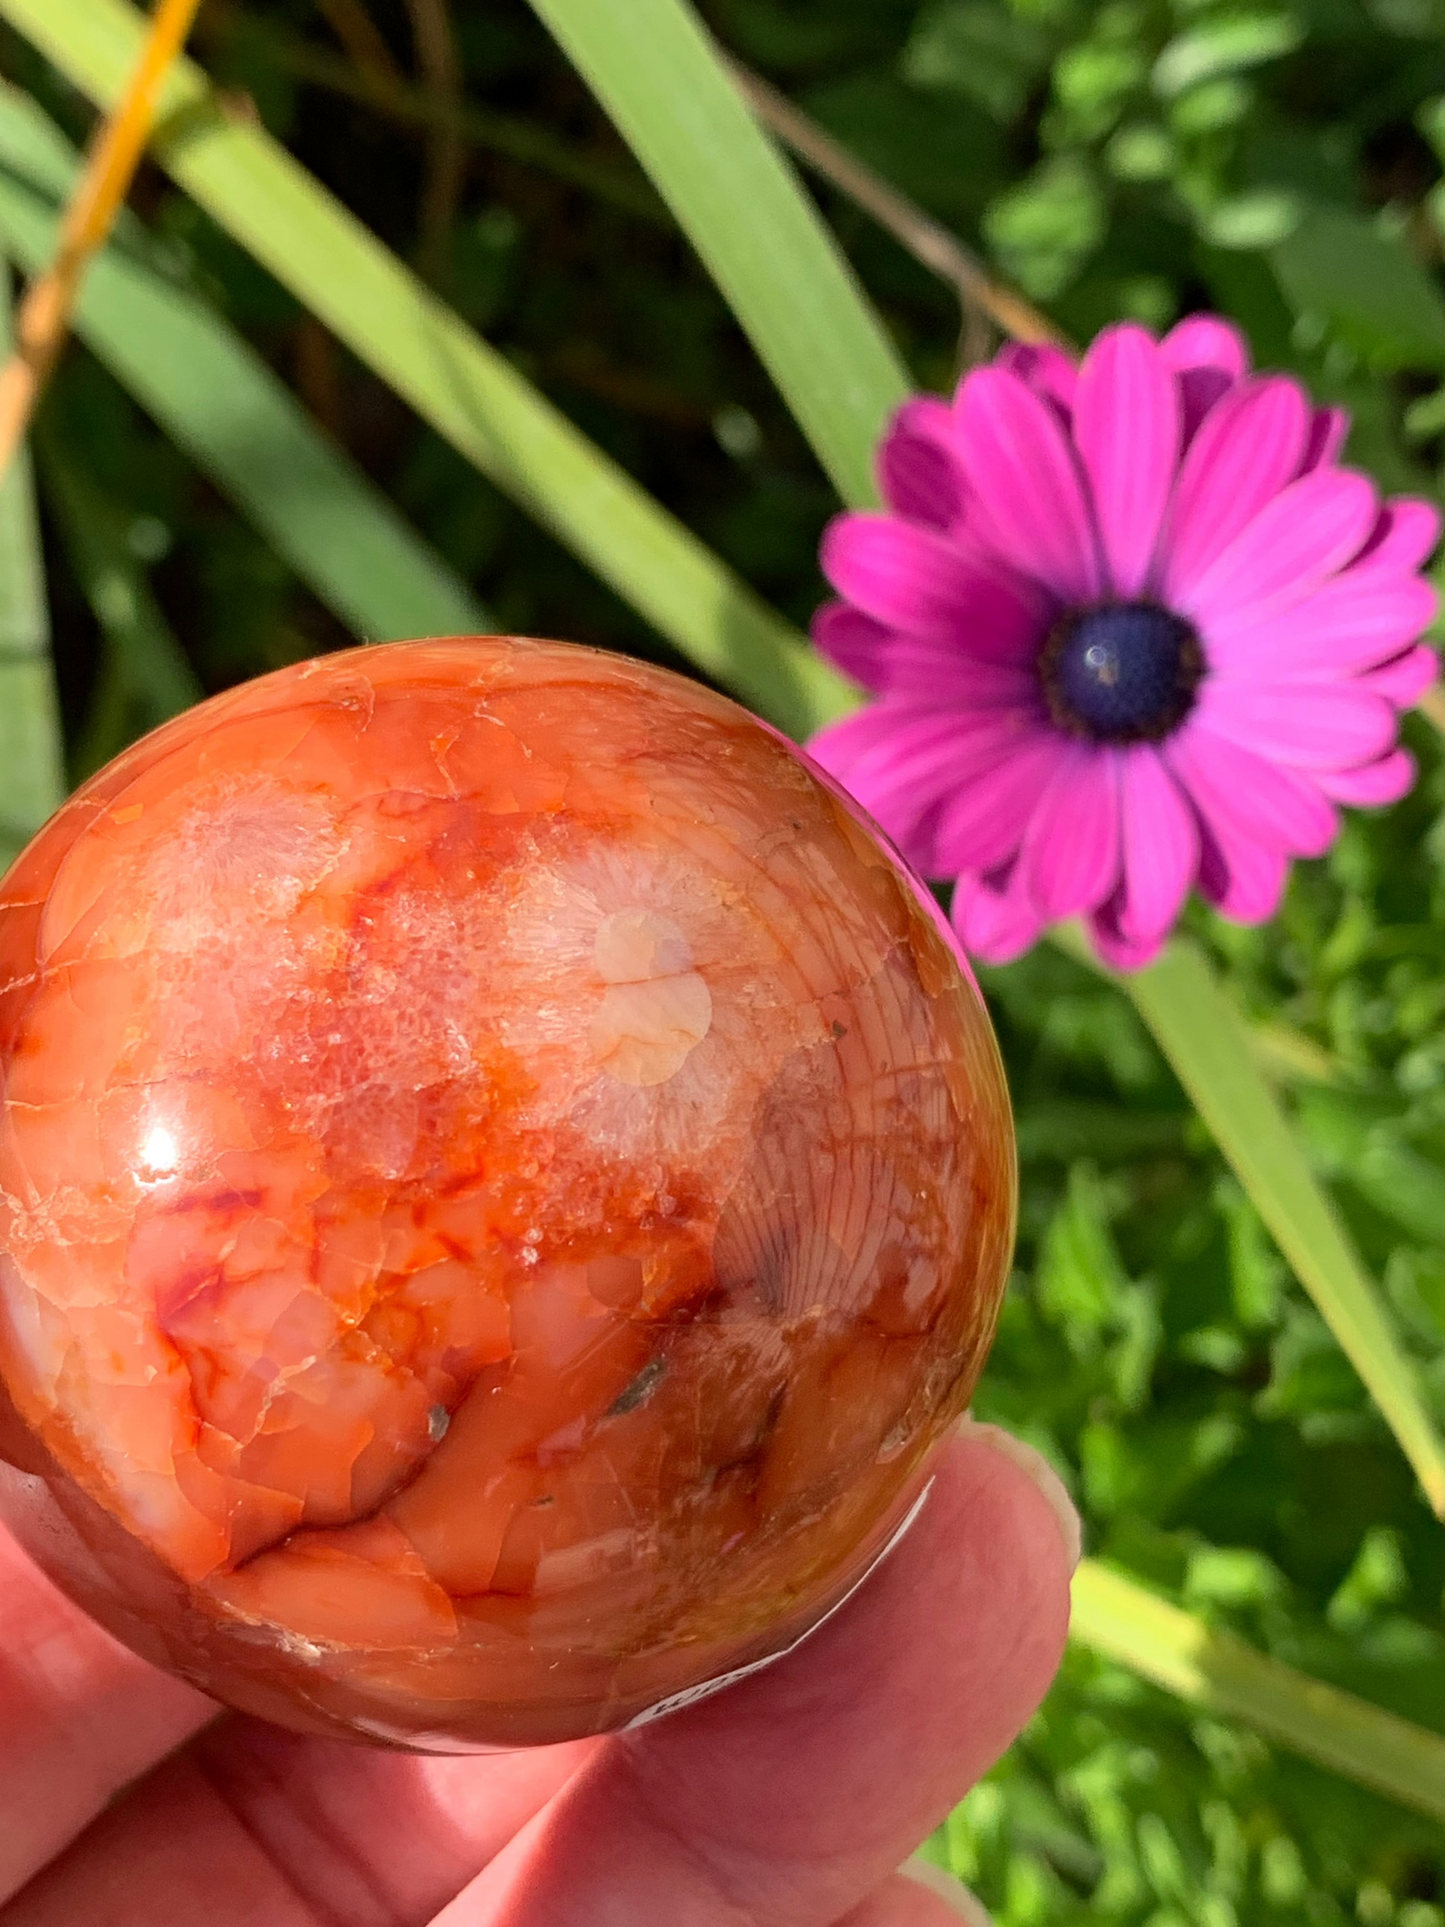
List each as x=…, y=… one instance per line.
x=652, y=66
x=468, y=392
x=32, y=781
x=1121, y=1620
x=217, y=399
x=147, y=678
x=1209, y=1046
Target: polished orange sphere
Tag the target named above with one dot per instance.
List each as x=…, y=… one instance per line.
x=503, y=1180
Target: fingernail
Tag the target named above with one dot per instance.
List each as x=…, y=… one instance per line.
x=1037, y=1467
x=952, y=1892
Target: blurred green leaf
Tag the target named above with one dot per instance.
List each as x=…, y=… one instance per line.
x=1092, y=82
x=1044, y=229
x=1228, y=44
x=1377, y=1578
x=1430, y=119
x=1142, y=153
x=1363, y=283
x=1072, y=1128
x=1372, y=1158
x=469, y=393
x=220, y=402
x=653, y=67
x=1261, y=218
x=990, y=55
x=32, y=782
x=1080, y=1279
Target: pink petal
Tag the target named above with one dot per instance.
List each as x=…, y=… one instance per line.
x=1208, y=357
x=1311, y=529
x=1247, y=448
x=948, y=674
x=1385, y=781
x=1404, y=681
x=839, y=746
x=911, y=777
x=935, y=672
x=1069, y=859
x=982, y=825
x=1403, y=536
x=872, y=742
x=994, y=925
x=1126, y=429
x=1117, y=950
x=1241, y=878
x=913, y=579
x=855, y=643
x=918, y=472
x=1239, y=872
x=1282, y=808
x=1029, y=503
x=900, y=776
x=1046, y=369
x=1206, y=341
x=1161, y=847
x=940, y=671
x=1357, y=619
x=1328, y=429
x=1313, y=725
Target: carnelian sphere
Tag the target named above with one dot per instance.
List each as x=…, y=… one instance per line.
x=502, y=1182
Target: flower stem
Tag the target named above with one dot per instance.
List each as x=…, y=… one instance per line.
x=440, y=62
x=1125, y=1622
x=44, y=315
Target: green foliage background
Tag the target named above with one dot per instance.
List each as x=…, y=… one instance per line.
x=1281, y=163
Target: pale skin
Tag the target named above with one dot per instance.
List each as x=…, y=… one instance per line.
x=789, y=1801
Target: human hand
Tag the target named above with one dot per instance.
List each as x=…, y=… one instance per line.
x=786, y=1801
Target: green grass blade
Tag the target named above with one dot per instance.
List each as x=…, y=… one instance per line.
x=468, y=392
x=651, y=64
x=1214, y=1670
x=32, y=781
x=217, y=399
x=1214, y=1058
x=146, y=677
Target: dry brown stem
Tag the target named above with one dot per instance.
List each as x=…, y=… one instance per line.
x=925, y=239
x=43, y=319
x=441, y=69
x=360, y=36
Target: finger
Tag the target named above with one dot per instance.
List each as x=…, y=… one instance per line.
x=254, y=1827
x=791, y=1797
x=407, y=1833
x=918, y=1896
x=79, y=1715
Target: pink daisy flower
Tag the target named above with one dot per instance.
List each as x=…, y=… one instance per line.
x=1131, y=629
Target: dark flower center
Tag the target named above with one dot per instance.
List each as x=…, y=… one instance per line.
x=1122, y=672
